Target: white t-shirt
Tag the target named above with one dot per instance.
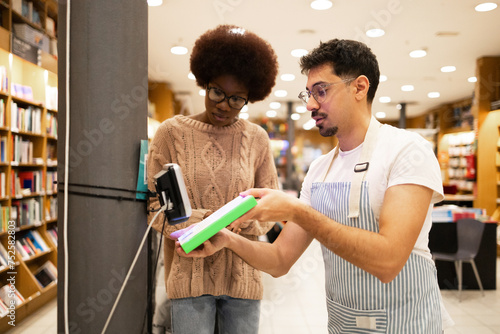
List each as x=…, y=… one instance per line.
x=399, y=157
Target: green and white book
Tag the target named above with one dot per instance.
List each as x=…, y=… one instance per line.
x=218, y=220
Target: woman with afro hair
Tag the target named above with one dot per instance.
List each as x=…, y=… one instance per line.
x=220, y=156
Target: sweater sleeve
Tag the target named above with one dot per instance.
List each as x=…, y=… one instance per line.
x=159, y=155
x=265, y=177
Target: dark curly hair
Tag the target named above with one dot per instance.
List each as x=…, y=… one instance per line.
x=232, y=50
x=349, y=59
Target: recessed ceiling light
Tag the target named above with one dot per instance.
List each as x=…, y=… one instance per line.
x=299, y=53
x=154, y=3
x=243, y=116
x=202, y=92
x=384, y=99
x=447, y=69
x=472, y=79
x=418, y=53
x=179, y=50
x=271, y=113
x=433, y=95
x=375, y=32
x=380, y=114
x=382, y=78
x=280, y=93
x=274, y=105
x=295, y=117
x=244, y=109
x=485, y=7
x=191, y=76
x=407, y=88
x=301, y=109
x=287, y=77
x=321, y=4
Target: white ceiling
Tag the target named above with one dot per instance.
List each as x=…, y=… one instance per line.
x=451, y=31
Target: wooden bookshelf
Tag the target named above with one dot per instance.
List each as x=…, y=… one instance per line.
x=29, y=132
x=486, y=91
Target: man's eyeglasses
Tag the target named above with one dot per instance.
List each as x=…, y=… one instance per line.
x=234, y=101
x=319, y=91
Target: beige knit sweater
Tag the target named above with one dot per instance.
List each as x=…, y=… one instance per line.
x=217, y=163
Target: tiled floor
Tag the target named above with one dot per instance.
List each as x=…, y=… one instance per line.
x=295, y=304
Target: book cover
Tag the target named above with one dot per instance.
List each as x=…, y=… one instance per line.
x=46, y=274
x=216, y=221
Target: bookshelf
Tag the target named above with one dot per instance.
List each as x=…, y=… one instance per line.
x=28, y=197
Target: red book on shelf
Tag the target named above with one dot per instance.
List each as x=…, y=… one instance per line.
x=27, y=180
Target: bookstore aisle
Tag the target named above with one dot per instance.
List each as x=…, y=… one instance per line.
x=294, y=304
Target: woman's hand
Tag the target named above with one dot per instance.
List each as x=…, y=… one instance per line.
x=214, y=244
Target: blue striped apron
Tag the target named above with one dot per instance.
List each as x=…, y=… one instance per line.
x=358, y=302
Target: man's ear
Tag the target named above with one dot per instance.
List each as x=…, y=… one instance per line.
x=362, y=85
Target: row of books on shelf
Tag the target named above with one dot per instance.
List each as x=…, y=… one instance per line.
x=24, y=213
x=25, y=119
x=2, y=112
x=22, y=151
x=51, y=125
x=27, y=212
x=25, y=183
x=27, y=246
x=31, y=244
x=10, y=297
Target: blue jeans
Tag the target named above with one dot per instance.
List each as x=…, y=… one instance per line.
x=197, y=315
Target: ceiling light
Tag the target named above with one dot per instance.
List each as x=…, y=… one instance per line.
x=244, y=109
x=295, y=117
x=154, y=3
x=433, y=95
x=179, y=50
x=309, y=124
x=243, y=116
x=271, y=113
x=299, y=52
x=382, y=78
x=407, y=88
x=384, y=99
x=380, y=114
x=274, y=105
x=447, y=69
x=472, y=79
x=191, y=76
x=485, y=7
x=375, y=33
x=301, y=109
x=418, y=53
x=202, y=92
x=287, y=77
x=321, y=4
x=280, y=93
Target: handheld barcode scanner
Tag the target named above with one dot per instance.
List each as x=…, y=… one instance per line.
x=171, y=192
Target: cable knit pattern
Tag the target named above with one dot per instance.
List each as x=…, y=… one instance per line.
x=217, y=163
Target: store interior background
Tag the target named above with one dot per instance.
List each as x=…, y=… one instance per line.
x=452, y=109
x=457, y=111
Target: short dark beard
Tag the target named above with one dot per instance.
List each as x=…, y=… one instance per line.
x=325, y=132
x=328, y=132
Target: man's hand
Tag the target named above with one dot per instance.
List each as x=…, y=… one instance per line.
x=272, y=205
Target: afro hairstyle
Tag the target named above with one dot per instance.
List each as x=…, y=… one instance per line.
x=232, y=50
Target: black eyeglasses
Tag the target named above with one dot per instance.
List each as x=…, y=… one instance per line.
x=234, y=101
x=319, y=91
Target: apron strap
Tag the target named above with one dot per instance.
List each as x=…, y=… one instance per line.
x=361, y=167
